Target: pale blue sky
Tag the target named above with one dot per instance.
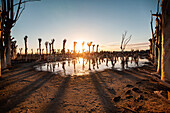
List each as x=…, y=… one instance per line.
x=100, y=21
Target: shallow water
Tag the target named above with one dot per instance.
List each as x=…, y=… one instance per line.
x=81, y=66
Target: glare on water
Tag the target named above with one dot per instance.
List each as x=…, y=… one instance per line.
x=81, y=66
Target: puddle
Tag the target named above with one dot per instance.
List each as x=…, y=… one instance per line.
x=81, y=66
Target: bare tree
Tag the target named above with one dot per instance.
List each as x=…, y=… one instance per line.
x=64, y=44
x=165, y=73
x=46, y=46
x=39, y=40
x=9, y=17
x=20, y=49
x=93, y=47
x=83, y=47
x=0, y=42
x=124, y=42
x=42, y=51
x=14, y=49
x=52, y=44
x=89, y=44
x=75, y=47
x=153, y=42
x=25, y=40
x=158, y=32
x=97, y=48
x=50, y=47
x=32, y=51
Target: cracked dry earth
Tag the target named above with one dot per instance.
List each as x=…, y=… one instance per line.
x=24, y=90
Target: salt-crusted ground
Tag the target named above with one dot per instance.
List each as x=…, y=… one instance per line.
x=22, y=89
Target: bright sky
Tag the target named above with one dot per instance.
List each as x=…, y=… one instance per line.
x=100, y=21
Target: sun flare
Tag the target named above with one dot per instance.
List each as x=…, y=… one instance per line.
x=79, y=46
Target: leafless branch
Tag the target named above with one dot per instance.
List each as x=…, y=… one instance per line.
x=18, y=10
x=124, y=41
x=26, y=2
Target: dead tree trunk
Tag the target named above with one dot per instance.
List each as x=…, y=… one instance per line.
x=97, y=48
x=158, y=31
x=52, y=44
x=46, y=46
x=39, y=40
x=93, y=48
x=74, y=47
x=64, y=43
x=25, y=39
x=50, y=48
x=0, y=40
x=153, y=43
x=89, y=44
x=165, y=41
x=124, y=42
x=83, y=47
x=9, y=17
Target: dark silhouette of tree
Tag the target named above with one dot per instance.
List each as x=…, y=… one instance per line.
x=75, y=47
x=64, y=44
x=9, y=17
x=46, y=46
x=89, y=44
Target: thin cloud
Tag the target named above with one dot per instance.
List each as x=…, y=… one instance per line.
x=140, y=46
x=134, y=44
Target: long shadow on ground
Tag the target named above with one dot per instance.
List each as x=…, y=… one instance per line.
x=8, y=82
x=124, y=75
x=106, y=100
x=21, y=95
x=18, y=73
x=54, y=105
x=140, y=79
x=100, y=76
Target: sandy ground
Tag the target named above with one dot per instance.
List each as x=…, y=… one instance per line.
x=22, y=89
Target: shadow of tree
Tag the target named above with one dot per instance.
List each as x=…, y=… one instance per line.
x=18, y=73
x=8, y=82
x=106, y=100
x=100, y=76
x=9, y=103
x=53, y=106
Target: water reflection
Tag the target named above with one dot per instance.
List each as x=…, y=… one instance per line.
x=82, y=66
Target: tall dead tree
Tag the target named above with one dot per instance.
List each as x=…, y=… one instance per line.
x=39, y=40
x=153, y=55
x=83, y=47
x=32, y=52
x=52, y=44
x=93, y=47
x=64, y=44
x=89, y=45
x=165, y=76
x=14, y=49
x=97, y=48
x=158, y=42
x=74, y=47
x=0, y=41
x=20, y=50
x=9, y=17
x=124, y=42
x=50, y=48
x=25, y=39
x=46, y=46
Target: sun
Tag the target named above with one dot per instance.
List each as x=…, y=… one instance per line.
x=79, y=47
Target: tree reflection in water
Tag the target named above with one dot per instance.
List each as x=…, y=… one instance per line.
x=82, y=66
